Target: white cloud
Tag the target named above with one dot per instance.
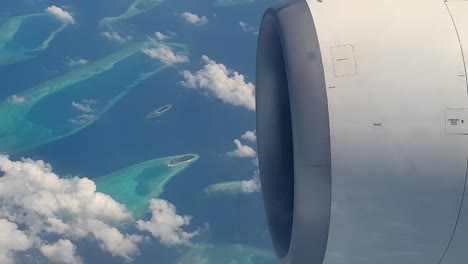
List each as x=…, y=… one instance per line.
x=194, y=19
x=166, y=224
x=115, y=36
x=165, y=54
x=46, y=213
x=45, y=206
x=83, y=119
x=240, y=186
x=115, y=242
x=60, y=14
x=11, y=240
x=247, y=28
x=16, y=99
x=76, y=62
x=160, y=36
x=226, y=84
x=62, y=251
x=83, y=107
x=250, y=186
x=250, y=136
x=86, y=107
x=242, y=151
x=243, y=25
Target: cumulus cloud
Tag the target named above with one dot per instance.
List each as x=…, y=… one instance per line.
x=16, y=99
x=83, y=107
x=245, y=151
x=250, y=186
x=194, y=19
x=165, y=54
x=83, y=119
x=60, y=14
x=12, y=240
x=116, y=37
x=250, y=136
x=160, y=36
x=115, y=242
x=76, y=62
x=45, y=205
x=46, y=213
x=243, y=25
x=242, y=151
x=224, y=83
x=247, y=28
x=63, y=250
x=86, y=107
x=166, y=225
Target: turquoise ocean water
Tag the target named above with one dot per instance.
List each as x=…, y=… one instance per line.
x=120, y=136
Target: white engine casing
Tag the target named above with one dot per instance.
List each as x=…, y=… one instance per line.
x=388, y=80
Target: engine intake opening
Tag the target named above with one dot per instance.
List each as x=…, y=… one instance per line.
x=275, y=145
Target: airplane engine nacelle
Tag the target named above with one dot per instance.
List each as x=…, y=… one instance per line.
x=362, y=123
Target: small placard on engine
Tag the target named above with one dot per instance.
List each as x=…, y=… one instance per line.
x=456, y=121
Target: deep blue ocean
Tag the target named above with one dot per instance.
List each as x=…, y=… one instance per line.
x=197, y=123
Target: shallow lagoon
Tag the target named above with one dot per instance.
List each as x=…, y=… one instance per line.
x=136, y=185
x=138, y=7
x=65, y=105
x=25, y=37
x=187, y=127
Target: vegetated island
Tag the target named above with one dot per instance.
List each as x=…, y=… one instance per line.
x=159, y=111
x=183, y=159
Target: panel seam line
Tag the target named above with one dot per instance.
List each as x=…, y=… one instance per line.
x=459, y=42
